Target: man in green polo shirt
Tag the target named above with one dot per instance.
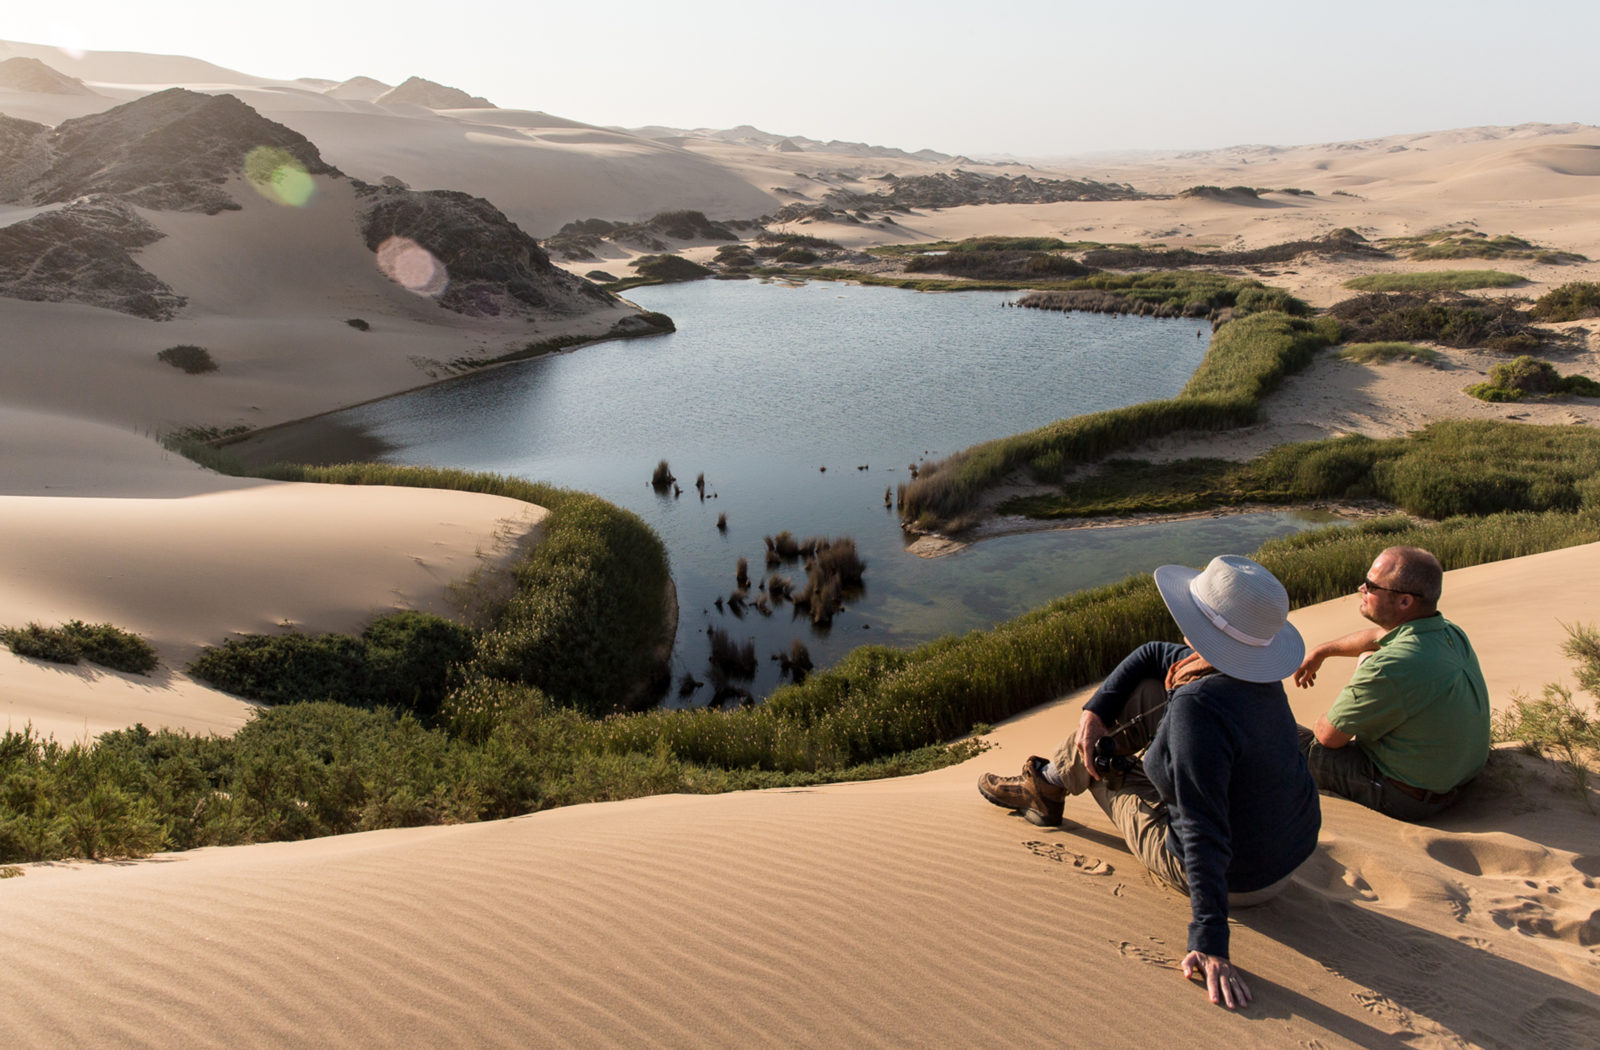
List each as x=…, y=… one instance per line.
x=1416, y=709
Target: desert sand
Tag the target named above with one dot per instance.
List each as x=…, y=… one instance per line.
x=904, y=912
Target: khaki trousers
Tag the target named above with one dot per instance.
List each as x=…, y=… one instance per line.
x=1132, y=801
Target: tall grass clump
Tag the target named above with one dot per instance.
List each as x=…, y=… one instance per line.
x=1554, y=722
x=1382, y=353
x=1247, y=358
x=1434, y=281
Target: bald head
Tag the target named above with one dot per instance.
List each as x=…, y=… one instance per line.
x=1417, y=571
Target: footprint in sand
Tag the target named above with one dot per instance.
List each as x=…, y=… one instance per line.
x=1544, y=918
x=1154, y=956
x=1561, y=1024
x=1414, y=951
x=1062, y=855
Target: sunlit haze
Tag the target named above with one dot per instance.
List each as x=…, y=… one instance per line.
x=1028, y=78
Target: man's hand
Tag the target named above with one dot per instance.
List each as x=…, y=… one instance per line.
x=1305, y=676
x=1224, y=984
x=1090, y=729
x=1187, y=670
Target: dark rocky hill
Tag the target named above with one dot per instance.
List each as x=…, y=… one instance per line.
x=170, y=151
x=178, y=150
x=494, y=268
x=83, y=253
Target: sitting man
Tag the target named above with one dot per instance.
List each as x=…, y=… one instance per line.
x=1223, y=808
x=1416, y=708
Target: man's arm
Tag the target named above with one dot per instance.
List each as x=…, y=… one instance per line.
x=1353, y=644
x=1329, y=736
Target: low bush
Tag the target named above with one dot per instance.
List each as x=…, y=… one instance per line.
x=359, y=325
x=662, y=269
x=192, y=359
x=1570, y=302
x=1458, y=321
x=406, y=660
x=997, y=265
x=98, y=643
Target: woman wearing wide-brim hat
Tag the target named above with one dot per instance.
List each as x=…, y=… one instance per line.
x=1222, y=808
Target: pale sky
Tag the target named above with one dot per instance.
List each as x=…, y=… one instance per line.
x=1025, y=77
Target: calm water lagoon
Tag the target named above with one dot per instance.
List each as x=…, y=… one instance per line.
x=802, y=404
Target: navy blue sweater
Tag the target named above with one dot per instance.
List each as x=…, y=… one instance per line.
x=1242, y=807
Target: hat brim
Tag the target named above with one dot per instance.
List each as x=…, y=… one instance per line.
x=1249, y=663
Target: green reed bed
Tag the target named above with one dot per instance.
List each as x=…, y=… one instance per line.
x=1448, y=468
x=1247, y=358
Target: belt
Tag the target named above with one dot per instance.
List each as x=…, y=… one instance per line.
x=1427, y=798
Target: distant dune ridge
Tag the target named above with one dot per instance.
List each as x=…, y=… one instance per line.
x=892, y=913
x=32, y=75
x=420, y=92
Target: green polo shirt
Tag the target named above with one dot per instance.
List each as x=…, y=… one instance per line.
x=1418, y=706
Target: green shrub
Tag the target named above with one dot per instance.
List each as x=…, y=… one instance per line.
x=1530, y=377
x=192, y=359
x=797, y=255
x=1570, y=302
x=667, y=268
x=1459, y=321
x=98, y=643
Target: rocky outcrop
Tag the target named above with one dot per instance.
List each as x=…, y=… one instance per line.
x=24, y=155
x=82, y=253
x=171, y=151
x=31, y=76
x=420, y=92
x=490, y=265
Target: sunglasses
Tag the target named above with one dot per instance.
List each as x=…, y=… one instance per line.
x=1370, y=586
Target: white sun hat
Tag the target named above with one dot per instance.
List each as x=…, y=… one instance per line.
x=1236, y=615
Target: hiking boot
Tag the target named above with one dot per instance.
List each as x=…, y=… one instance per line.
x=1039, y=801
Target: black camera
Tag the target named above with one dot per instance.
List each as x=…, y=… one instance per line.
x=1106, y=759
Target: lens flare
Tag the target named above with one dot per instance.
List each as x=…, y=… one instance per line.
x=278, y=176
x=412, y=266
